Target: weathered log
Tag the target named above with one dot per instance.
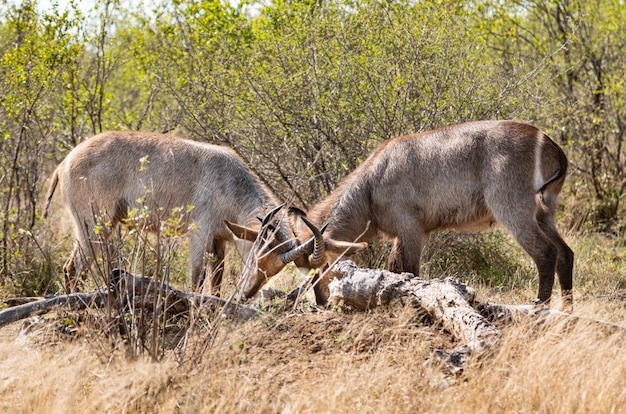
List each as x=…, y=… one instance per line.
x=446, y=301
x=128, y=288
x=76, y=301
x=10, y=302
x=146, y=286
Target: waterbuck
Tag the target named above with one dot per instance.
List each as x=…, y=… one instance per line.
x=112, y=173
x=465, y=177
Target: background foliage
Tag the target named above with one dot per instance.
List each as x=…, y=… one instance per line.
x=303, y=90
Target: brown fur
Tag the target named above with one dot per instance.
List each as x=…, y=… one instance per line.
x=104, y=175
x=464, y=177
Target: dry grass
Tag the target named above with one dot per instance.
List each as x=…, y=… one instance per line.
x=299, y=362
x=326, y=362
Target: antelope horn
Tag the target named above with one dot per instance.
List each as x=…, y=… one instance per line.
x=293, y=254
x=266, y=226
x=319, y=247
x=269, y=216
x=314, y=246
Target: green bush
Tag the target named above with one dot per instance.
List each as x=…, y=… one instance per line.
x=304, y=90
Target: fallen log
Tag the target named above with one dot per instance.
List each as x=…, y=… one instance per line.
x=130, y=289
x=446, y=301
x=75, y=301
x=10, y=302
x=146, y=286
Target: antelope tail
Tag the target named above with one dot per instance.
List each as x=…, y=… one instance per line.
x=51, y=188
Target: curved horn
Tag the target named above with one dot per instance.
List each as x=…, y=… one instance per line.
x=266, y=226
x=315, y=246
x=269, y=216
x=294, y=253
x=318, y=256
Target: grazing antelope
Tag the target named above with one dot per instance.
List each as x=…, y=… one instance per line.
x=114, y=172
x=464, y=177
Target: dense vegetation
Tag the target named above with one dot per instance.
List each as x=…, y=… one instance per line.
x=303, y=90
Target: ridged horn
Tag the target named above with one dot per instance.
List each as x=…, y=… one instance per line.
x=315, y=246
x=318, y=256
x=294, y=253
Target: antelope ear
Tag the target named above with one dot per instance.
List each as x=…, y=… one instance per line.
x=294, y=215
x=343, y=247
x=295, y=211
x=242, y=232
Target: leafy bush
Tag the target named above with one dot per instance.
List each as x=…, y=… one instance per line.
x=304, y=90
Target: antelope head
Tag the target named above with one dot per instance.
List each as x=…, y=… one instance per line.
x=272, y=249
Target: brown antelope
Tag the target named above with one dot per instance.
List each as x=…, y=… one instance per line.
x=108, y=175
x=464, y=177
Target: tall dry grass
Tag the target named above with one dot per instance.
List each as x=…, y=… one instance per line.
x=327, y=362
x=299, y=362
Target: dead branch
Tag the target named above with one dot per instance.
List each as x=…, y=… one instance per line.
x=128, y=288
x=75, y=301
